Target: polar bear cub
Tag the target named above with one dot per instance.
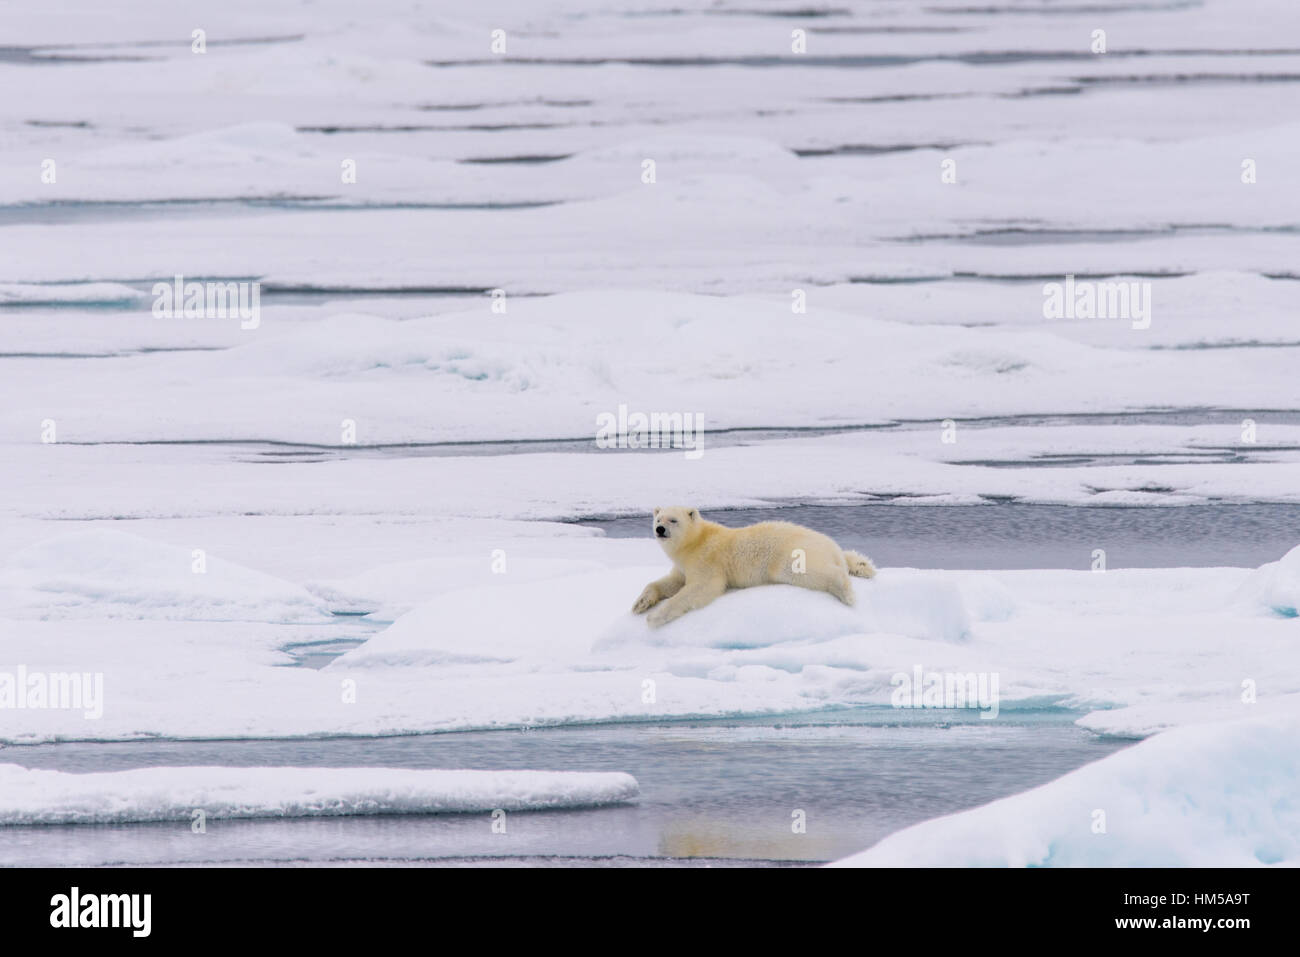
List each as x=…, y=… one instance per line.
x=709, y=558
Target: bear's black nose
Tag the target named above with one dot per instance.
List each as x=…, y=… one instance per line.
x=661, y=531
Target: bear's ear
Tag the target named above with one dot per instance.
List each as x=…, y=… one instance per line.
x=693, y=514
x=658, y=509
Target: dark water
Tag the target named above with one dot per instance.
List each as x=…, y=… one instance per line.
x=1012, y=535
x=711, y=791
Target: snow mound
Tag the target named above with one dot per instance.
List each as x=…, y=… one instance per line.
x=986, y=598
x=747, y=618
x=565, y=619
x=1221, y=795
x=1275, y=586
x=897, y=603
x=548, y=619
x=173, y=794
x=109, y=574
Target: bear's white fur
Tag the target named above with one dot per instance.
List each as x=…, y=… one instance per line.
x=709, y=558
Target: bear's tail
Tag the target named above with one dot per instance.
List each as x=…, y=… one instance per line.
x=860, y=565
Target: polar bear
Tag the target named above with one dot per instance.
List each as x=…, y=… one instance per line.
x=709, y=558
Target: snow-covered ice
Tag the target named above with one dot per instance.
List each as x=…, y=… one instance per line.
x=550, y=366
x=30, y=796
x=111, y=574
x=1132, y=651
x=183, y=502
x=1208, y=795
x=1276, y=586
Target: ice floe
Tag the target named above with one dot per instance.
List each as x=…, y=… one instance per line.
x=1207, y=795
x=179, y=794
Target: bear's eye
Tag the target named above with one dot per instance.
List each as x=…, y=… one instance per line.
x=673, y=521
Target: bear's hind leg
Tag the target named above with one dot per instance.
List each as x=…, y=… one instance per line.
x=833, y=581
x=842, y=589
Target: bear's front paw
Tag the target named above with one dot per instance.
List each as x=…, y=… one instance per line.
x=649, y=598
x=658, y=617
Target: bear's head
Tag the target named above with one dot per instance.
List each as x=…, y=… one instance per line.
x=675, y=525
